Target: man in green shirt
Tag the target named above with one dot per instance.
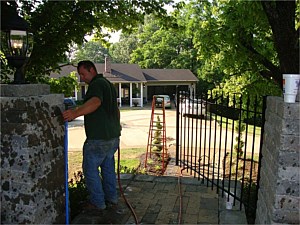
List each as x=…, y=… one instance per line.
x=102, y=128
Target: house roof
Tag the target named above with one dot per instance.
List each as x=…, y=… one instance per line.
x=177, y=75
x=65, y=70
x=133, y=73
x=123, y=73
x=119, y=72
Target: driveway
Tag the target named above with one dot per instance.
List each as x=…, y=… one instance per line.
x=135, y=129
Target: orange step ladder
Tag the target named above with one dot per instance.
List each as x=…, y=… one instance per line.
x=157, y=132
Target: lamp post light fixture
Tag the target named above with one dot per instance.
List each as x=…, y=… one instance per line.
x=16, y=41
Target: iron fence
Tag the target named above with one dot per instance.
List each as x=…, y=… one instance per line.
x=219, y=140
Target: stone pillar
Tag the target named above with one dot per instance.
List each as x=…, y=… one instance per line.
x=278, y=195
x=32, y=155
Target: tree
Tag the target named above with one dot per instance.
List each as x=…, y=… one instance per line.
x=236, y=45
x=57, y=24
x=285, y=29
x=161, y=47
x=5, y=70
x=240, y=36
x=92, y=50
x=120, y=51
x=64, y=85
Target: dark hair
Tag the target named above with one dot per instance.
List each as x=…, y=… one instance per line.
x=87, y=64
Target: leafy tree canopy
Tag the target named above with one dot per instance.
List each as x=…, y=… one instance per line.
x=64, y=85
x=92, y=50
x=58, y=24
x=235, y=46
x=120, y=51
x=163, y=47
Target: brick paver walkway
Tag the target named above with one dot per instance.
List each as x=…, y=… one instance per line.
x=156, y=200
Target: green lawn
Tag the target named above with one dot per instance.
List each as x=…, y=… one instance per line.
x=129, y=160
x=229, y=124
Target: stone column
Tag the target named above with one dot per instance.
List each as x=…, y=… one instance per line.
x=278, y=195
x=32, y=155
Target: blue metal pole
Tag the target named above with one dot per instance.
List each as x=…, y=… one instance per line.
x=66, y=172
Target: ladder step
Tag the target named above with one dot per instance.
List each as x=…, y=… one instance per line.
x=160, y=152
x=157, y=129
x=157, y=145
x=158, y=113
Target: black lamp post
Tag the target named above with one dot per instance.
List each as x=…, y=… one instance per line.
x=16, y=41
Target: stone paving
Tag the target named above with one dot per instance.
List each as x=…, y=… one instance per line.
x=156, y=200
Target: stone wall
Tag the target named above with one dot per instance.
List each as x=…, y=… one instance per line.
x=278, y=196
x=32, y=155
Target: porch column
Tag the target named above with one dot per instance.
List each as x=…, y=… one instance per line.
x=191, y=89
x=130, y=96
x=141, y=94
x=194, y=89
x=75, y=91
x=120, y=94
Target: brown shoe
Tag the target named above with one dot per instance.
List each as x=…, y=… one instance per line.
x=89, y=207
x=113, y=207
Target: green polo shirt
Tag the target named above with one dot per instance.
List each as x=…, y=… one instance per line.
x=103, y=123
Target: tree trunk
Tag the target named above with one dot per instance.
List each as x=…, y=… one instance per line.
x=281, y=16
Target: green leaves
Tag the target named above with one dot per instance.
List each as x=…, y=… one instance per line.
x=64, y=85
x=58, y=24
x=92, y=50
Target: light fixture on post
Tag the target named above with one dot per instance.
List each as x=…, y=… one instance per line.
x=16, y=41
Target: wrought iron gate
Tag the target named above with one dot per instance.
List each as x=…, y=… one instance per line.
x=219, y=141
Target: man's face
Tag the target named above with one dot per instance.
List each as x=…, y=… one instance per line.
x=86, y=75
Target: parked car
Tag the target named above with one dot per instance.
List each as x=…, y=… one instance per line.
x=160, y=98
x=192, y=107
x=69, y=103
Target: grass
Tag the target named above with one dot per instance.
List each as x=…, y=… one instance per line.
x=129, y=159
x=229, y=124
x=75, y=163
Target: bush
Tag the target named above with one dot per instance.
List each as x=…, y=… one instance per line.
x=77, y=193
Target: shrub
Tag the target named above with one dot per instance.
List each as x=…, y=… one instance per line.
x=77, y=193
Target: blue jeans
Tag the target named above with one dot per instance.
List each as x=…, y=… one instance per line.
x=101, y=185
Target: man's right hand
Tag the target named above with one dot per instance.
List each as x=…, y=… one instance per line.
x=69, y=115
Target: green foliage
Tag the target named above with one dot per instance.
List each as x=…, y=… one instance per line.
x=92, y=50
x=158, y=167
x=224, y=42
x=6, y=72
x=120, y=51
x=131, y=170
x=238, y=147
x=58, y=24
x=161, y=47
x=250, y=197
x=157, y=136
x=250, y=86
x=233, y=36
x=77, y=193
x=64, y=85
